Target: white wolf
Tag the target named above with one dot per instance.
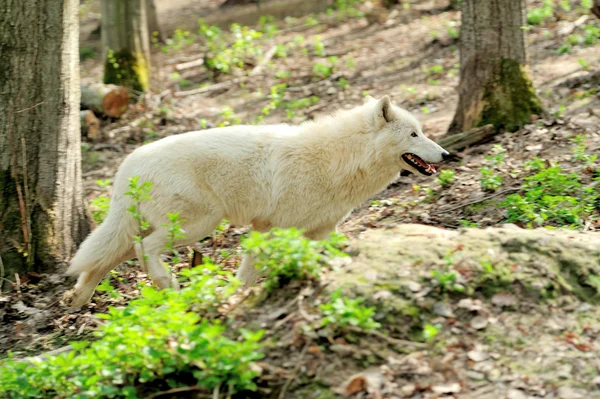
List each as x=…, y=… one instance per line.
x=308, y=176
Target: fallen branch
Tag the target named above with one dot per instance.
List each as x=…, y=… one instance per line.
x=109, y=100
x=189, y=65
x=266, y=59
x=203, y=90
x=175, y=390
x=459, y=141
x=489, y=197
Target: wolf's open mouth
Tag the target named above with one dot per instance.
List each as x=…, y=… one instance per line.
x=416, y=162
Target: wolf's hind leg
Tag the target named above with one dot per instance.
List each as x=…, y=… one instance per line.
x=154, y=244
x=247, y=272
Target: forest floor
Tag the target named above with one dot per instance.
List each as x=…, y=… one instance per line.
x=410, y=54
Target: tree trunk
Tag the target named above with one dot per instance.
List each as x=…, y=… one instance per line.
x=126, y=44
x=42, y=213
x=596, y=8
x=494, y=82
x=153, y=25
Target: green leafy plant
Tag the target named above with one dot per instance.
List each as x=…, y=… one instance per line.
x=175, y=232
x=342, y=311
x=284, y=255
x=446, y=278
x=446, y=178
x=138, y=194
x=552, y=197
x=539, y=15
x=228, y=117
x=323, y=71
x=147, y=346
x=579, y=151
x=489, y=180
x=430, y=331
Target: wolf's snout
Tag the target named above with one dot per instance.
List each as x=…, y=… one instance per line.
x=446, y=155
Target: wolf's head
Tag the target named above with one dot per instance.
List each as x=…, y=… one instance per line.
x=400, y=136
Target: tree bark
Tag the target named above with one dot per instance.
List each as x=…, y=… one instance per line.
x=153, y=25
x=494, y=87
x=42, y=213
x=126, y=46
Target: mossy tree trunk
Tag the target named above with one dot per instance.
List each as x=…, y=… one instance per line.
x=42, y=213
x=494, y=87
x=126, y=43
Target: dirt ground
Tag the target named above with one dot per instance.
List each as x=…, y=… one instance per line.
x=383, y=52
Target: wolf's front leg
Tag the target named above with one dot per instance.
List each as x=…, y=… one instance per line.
x=247, y=272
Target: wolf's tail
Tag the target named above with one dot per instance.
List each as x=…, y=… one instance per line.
x=108, y=243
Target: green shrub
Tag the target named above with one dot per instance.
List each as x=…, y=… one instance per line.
x=341, y=312
x=537, y=16
x=149, y=344
x=489, y=180
x=284, y=255
x=552, y=197
x=446, y=178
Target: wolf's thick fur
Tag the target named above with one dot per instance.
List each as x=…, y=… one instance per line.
x=308, y=176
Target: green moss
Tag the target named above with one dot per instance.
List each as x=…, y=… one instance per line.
x=126, y=69
x=509, y=100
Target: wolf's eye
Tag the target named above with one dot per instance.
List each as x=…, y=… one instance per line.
x=414, y=134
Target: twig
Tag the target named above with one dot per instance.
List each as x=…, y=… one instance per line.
x=27, y=201
x=303, y=313
x=18, y=284
x=175, y=390
x=266, y=59
x=190, y=64
x=202, y=90
x=295, y=374
x=508, y=190
x=32, y=107
x=215, y=394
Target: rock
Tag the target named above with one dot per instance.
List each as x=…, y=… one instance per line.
x=479, y=322
x=446, y=388
x=571, y=393
x=407, y=390
x=413, y=286
x=566, y=254
x=474, y=375
x=478, y=356
x=474, y=305
x=515, y=394
x=443, y=309
x=503, y=299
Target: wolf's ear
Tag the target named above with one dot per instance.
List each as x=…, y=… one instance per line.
x=383, y=111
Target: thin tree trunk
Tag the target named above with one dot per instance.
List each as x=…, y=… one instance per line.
x=42, y=213
x=153, y=25
x=126, y=44
x=495, y=87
